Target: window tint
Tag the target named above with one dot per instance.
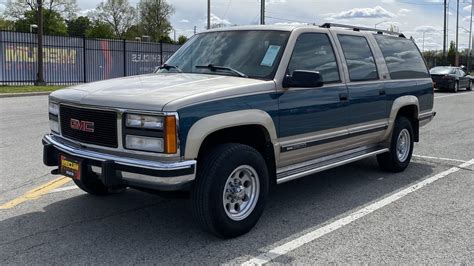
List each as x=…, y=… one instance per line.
x=313, y=52
x=359, y=58
x=403, y=58
x=462, y=73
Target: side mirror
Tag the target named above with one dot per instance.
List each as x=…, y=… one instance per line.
x=303, y=79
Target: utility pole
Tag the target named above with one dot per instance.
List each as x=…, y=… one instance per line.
x=469, y=55
x=262, y=12
x=444, y=34
x=194, y=30
x=208, y=14
x=39, y=76
x=457, y=35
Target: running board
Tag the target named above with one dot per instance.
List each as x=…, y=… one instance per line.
x=292, y=172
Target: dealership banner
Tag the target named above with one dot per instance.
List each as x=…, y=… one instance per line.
x=70, y=60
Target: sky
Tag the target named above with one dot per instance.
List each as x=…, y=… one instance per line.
x=413, y=17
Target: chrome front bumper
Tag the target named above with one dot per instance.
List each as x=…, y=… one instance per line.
x=118, y=170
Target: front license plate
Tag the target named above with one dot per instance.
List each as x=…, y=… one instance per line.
x=70, y=167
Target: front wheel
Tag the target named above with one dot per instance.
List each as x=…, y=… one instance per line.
x=401, y=147
x=470, y=86
x=230, y=191
x=456, y=87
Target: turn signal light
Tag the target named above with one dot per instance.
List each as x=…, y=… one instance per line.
x=171, y=142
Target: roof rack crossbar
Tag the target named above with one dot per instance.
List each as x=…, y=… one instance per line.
x=357, y=28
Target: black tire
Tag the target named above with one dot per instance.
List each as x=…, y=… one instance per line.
x=456, y=87
x=390, y=161
x=470, y=86
x=212, y=176
x=92, y=185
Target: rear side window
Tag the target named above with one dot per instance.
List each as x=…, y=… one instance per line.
x=402, y=57
x=359, y=58
x=313, y=52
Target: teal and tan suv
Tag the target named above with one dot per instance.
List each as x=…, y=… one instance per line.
x=238, y=110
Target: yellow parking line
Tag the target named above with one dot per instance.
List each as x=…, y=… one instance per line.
x=37, y=192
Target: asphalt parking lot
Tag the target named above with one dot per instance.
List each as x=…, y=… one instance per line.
x=351, y=214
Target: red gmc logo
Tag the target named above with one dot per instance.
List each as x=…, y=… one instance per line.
x=85, y=126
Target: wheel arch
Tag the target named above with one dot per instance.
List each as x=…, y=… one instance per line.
x=407, y=106
x=207, y=126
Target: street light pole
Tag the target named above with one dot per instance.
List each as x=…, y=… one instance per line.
x=469, y=54
x=262, y=12
x=423, y=47
x=457, y=35
x=444, y=35
x=39, y=76
x=208, y=14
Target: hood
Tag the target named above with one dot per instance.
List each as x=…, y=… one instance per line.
x=149, y=92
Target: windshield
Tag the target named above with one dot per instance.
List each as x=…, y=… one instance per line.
x=255, y=53
x=441, y=70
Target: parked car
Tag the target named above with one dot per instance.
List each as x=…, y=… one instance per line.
x=450, y=78
x=238, y=110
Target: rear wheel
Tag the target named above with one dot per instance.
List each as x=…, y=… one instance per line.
x=401, y=147
x=456, y=87
x=229, y=194
x=470, y=86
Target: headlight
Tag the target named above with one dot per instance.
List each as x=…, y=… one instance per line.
x=144, y=143
x=54, y=125
x=53, y=108
x=144, y=121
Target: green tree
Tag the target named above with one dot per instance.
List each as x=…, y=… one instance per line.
x=55, y=25
x=118, y=14
x=17, y=9
x=77, y=27
x=6, y=24
x=154, y=18
x=100, y=29
x=452, y=53
x=182, y=39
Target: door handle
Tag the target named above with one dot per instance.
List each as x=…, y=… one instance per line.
x=382, y=92
x=343, y=96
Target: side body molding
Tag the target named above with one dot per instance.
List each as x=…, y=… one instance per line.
x=407, y=100
x=208, y=125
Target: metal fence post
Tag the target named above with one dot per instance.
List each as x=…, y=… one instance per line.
x=124, y=58
x=161, y=52
x=84, y=58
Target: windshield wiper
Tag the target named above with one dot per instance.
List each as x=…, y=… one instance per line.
x=214, y=68
x=168, y=67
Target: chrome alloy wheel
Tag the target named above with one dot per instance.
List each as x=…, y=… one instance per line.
x=403, y=145
x=241, y=192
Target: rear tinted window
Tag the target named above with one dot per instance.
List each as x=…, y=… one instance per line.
x=403, y=59
x=359, y=58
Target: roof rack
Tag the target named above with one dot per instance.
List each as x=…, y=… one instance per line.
x=357, y=28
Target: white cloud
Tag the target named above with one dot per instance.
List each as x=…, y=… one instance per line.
x=426, y=29
x=376, y=12
x=85, y=12
x=275, y=1
x=184, y=21
x=403, y=12
x=388, y=1
x=467, y=8
x=215, y=20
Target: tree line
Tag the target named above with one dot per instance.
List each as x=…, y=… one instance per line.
x=149, y=20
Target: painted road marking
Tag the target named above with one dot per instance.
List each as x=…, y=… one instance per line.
x=438, y=158
x=61, y=189
x=455, y=94
x=37, y=192
x=317, y=233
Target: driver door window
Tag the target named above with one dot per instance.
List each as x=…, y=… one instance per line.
x=314, y=52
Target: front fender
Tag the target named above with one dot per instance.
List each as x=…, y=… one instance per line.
x=208, y=125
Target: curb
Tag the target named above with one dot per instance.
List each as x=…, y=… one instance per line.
x=10, y=95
